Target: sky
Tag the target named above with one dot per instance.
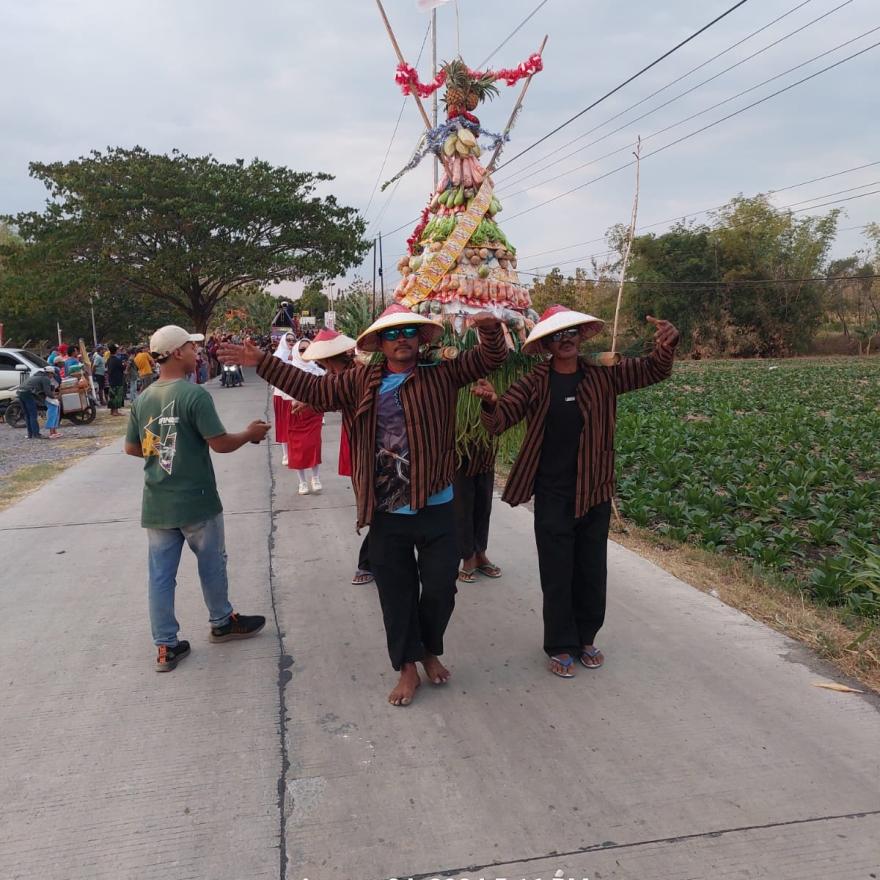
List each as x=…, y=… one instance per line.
x=311, y=86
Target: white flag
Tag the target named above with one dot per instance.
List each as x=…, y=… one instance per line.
x=427, y=5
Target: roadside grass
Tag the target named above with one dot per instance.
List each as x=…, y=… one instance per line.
x=850, y=643
x=24, y=480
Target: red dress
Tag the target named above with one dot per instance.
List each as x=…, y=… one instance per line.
x=304, y=439
x=344, y=454
x=281, y=405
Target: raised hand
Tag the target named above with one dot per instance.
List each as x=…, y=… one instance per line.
x=485, y=319
x=247, y=355
x=666, y=332
x=483, y=389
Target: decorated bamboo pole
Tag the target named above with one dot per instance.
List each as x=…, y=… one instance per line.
x=402, y=60
x=491, y=166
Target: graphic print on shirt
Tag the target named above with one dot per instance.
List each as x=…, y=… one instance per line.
x=160, y=437
x=392, y=454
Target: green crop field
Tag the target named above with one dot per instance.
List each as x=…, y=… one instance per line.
x=775, y=462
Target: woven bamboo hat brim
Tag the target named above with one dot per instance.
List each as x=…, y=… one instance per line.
x=558, y=318
x=328, y=344
x=398, y=316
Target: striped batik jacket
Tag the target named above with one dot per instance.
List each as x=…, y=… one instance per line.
x=428, y=398
x=529, y=399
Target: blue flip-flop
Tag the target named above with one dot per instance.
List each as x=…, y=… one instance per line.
x=565, y=664
x=592, y=654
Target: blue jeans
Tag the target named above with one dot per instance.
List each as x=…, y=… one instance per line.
x=206, y=540
x=29, y=405
x=53, y=415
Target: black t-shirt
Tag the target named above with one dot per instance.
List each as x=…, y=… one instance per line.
x=115, y=370
x=557, y=466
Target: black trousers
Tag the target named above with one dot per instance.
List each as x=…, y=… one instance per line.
x=473, y=508
x=364, y=554
x=572, y=560
x=415, y=562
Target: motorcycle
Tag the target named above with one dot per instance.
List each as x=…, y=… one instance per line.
x=231, y=376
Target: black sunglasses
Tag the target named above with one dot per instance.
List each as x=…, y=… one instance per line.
x=396, y=332
x=559, y=335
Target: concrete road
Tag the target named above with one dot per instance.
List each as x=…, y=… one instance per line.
x=701, y=750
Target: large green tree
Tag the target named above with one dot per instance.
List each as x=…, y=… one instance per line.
x=186, y=231
x=313, y=300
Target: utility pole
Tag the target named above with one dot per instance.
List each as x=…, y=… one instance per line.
x=94, y=330
x=434, y=76
x=374, y=281
x=381, y=273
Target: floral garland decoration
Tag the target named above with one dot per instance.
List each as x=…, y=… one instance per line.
x=407, y=77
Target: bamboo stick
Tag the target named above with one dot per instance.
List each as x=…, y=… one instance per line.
x=402, y=60
x=629, y=242
x=516, y=107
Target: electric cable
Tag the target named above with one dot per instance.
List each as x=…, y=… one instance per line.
x=704, y=128
x=671, y=83
x=626, y=82
x=518, y=175
x=512, y=34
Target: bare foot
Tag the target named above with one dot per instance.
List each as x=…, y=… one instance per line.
x=405, y=690
x=437, y=673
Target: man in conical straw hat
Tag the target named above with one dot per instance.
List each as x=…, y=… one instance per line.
x=335, y=353
x=402, y=416
x=567, y=462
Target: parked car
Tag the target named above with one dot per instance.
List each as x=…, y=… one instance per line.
x=10, y=359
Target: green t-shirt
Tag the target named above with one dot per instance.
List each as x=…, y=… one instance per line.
x=171, y=421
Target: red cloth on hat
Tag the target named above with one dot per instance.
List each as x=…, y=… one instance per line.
x=550, y=311
x=325, y=335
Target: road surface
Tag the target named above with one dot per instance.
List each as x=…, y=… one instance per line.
x=701, y=750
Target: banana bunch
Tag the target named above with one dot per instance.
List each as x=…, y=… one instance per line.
x=462, y=143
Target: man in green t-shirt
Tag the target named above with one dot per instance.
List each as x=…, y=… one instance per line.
x=173, y=426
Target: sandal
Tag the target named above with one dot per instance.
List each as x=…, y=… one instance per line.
x=592, y=657
x=467, y=576
x=566, y=667
x=490, y=570
x=362, y=577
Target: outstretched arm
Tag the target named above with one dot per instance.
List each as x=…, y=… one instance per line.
x=325, y=393
x=485, y=357
x=499, y=414
x=633, y=373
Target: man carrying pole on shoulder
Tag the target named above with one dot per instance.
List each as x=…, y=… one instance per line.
x=567, y=462
x=402, y=415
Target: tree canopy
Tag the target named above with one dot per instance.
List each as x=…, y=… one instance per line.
x=183, y=231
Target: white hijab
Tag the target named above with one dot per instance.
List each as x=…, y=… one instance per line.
x=306, y=366
x=283, y=354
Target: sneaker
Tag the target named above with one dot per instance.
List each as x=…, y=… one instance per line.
x=240, y=626
x=168, y=657
x=316, y=486
x=284, y=461
x=303, y=487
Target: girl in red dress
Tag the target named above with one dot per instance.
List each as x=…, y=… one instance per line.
x=304, y=430
x=280, y=401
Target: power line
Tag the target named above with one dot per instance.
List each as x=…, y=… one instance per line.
x=703, y=129
x=744, y=281
x=518, y=174
x=715, y=106
x=394, y=133
x=586, y=257
x=663, y=88
x=626, y=82
x=768, y=192
x=511, y=35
